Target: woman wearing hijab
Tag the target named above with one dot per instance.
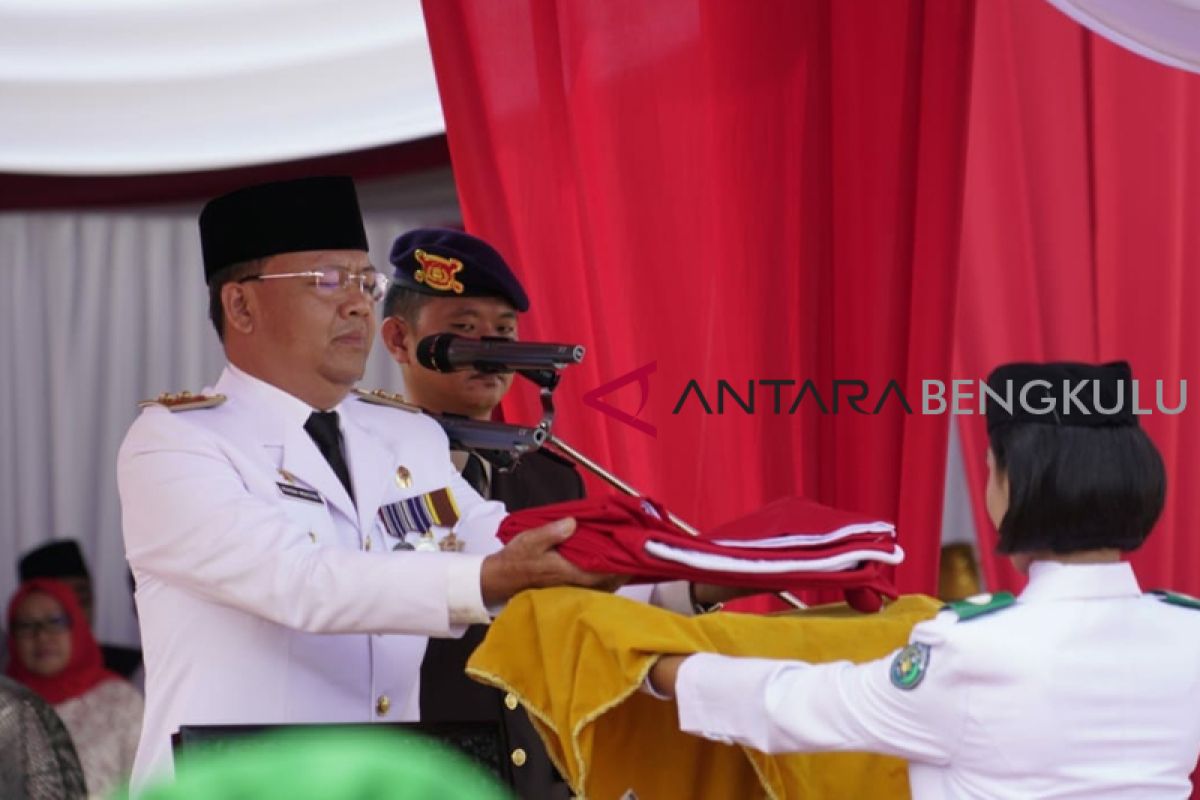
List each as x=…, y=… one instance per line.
x=54, y=653
x=1082, y=686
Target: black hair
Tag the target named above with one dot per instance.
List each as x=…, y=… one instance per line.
x=1073, y=488
x=226, y=275
x=400, y=301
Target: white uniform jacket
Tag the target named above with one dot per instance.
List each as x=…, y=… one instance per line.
x=1084, y=688
x=265, y=595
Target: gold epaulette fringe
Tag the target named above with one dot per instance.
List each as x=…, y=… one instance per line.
x=381, y=398
x=184, y=401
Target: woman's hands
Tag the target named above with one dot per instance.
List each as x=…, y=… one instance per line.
x=664, y=673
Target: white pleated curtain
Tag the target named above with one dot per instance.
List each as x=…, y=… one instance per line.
x=98, y=311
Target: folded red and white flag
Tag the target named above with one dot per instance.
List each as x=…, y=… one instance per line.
x=790, y=544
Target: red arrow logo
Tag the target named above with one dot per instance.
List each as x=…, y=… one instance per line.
x=642, y=376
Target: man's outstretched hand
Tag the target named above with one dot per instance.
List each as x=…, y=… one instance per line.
x=530, y=561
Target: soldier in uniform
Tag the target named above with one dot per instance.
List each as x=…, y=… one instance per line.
x=275, y=523
x=478, y=296
x=1082, y=686
x=482, y=298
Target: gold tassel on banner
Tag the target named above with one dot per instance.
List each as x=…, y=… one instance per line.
x=958, y=577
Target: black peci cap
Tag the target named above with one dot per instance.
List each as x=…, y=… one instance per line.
x=280, y=217
x=57, y=559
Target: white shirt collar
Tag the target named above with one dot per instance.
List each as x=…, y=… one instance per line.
x=1053, y=580
x=269, y=400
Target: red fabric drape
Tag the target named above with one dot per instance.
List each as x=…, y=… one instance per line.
x=1079, y=239
x=737, y=191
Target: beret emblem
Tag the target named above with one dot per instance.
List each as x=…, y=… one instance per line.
x=437, y=272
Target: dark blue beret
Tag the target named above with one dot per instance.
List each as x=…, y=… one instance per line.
x=280, y=217
x=1061, y=393
x=449, y=263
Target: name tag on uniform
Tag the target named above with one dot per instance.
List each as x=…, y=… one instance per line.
x=300, y=493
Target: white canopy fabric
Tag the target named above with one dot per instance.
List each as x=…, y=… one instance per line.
x=1166, y=31
x=118, y=87
x=128, y=87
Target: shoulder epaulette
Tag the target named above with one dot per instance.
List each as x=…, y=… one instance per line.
x=1176, y=599
x=980, y=605
x=390, y=399
x=184, y=401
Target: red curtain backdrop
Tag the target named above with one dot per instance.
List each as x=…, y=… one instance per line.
x=1080, y=240
x=737, y=191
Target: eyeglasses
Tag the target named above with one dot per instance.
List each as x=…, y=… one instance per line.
x=330, y=280
x=29, y=629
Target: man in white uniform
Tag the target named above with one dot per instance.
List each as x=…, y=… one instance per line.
x=275, y=524
x=1081, y=687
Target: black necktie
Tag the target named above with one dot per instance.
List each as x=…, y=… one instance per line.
x=475, y=475
x=322, y=426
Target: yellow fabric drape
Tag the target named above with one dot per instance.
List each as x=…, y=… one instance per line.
x=576, y=658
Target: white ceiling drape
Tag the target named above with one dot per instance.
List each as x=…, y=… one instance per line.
x=1166, y=31
x=127, y=87
x=114, y=87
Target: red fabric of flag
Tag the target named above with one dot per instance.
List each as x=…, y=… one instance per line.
x=765, y=550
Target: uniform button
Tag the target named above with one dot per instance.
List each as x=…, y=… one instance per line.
x=510, y=701
x=312, y=536
x=404, y=478
x=382, y=705
x=518, y=757
x=367, y=544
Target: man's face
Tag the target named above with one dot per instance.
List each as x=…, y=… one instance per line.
x=466, y=392
x=311, y=331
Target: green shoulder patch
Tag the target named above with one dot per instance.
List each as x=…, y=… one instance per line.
x=1176, y=599
x=909, y=665
x=390, y=399
x=184, y=401
x=980, y=605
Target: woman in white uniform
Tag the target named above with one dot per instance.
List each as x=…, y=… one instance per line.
x=1081, y=687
